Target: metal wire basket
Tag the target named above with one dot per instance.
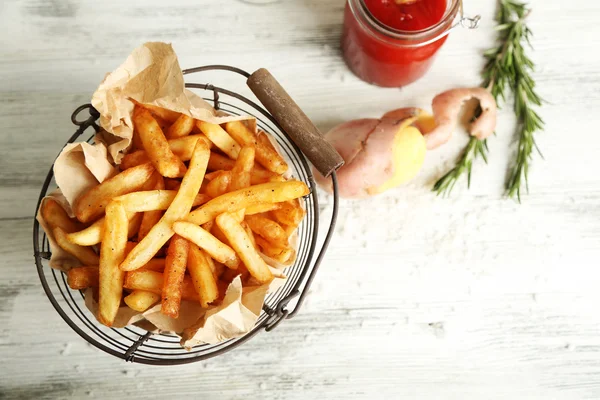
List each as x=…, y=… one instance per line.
x=136, y=344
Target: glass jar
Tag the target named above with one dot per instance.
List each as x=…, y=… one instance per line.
x=388, y=57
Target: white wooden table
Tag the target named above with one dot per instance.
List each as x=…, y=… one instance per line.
x=472, y=297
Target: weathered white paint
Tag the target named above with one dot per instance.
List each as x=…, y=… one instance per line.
x=420, y=297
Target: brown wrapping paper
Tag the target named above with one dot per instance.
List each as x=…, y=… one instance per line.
x=79, y=167
x=151, y=75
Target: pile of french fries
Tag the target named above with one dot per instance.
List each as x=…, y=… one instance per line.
x=195, y=205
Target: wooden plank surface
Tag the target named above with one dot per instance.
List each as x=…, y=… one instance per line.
x=419, y=297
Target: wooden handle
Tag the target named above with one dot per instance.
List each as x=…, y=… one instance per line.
x=297, y=125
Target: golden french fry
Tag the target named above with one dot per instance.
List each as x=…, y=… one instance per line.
x=239, y=215
x=153, y=200
x=84, y=254
x=258, y=175
x=93, y=234
x=220, y=138
x=262, y=208
x=156, y=145
x=172, y=184
x=219, y=185
x=213, y=175
x=181, y=127
x=242, y=244
x=152, y=281
x=272, y=192
x=216, y=267
x=202, y=276
x=249, y=233
x=141, y=300
x=162, y=113
x=289, y=213
x=156, y=264
x=82, y=277
x=218, y=233
x=134, y=225
x=56, y=216
x=213, y=246
x=230, y=274
x=91, y=204
x=175, y=265
x=266, y=155
x=289, y=229
x=284, y=255
x=208, y=226
x=268, y=229
x=151, y=218
x=133, y=159
x=112, y=252
x=183, y=147
x=241, y=172
x=178, y=209
x=136, y=142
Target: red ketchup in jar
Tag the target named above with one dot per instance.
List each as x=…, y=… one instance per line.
x=392, y=43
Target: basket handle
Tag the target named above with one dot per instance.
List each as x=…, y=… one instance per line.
x=293, y=120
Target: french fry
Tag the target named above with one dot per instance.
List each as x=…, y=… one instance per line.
x=181, y=127
x=249, y=233
x=141, y=300
x=175, y=265
x=216, y=267
x=213, y=246
x=156, y=264
x=243, y=246
x=178, y=209
x=156, y=145
x=266, y=155
x=151, y=218
x=218, y=233
x=289, y=229
x=220, y=138
x=162, y=113
x=208, y=226
x=214, y=175
x=202, y=276
x=219, y=185
x=262, y=208
x=283, y=255
x=82, y=277
x=91, y=204
x=153, y=200
x=152, y=281
x=219, y=162
x=257, y=175
x=93, y=234
x=133, y=159
x=230, y=274
x=241, y=172
x=172, y=184
x=289, y=213
x=134, y=225
x=268, y=229
x=112, y=253
x=239, y=215
x=84, y=254
x=136, y=142
x=272, y=192
x=182, y=147
x=56, y=216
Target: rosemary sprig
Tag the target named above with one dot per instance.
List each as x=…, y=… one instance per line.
x=507, y=67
